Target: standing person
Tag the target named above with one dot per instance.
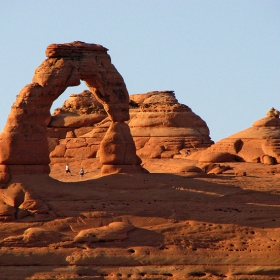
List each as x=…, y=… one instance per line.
x=67, y=169
x=82, y=172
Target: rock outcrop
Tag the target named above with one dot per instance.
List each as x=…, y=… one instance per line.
x=24, y=140
x=160, y=126
x=16, y=202
x=35, y=237
x=114, y=231
x=259, y=143
x=40, y=236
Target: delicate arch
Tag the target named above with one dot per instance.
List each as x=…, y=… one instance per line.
x=23, y=141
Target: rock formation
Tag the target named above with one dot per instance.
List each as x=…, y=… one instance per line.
x=24, y=140
x=259, y=143
x=40, y=236
x=161, y=127
x=175, y=222
x=114, y=231
x=17, y=202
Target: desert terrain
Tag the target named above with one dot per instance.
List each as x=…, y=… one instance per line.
x=184, y=226
x=158, y=200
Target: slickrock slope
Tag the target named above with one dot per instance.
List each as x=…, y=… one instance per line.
x=161, y=127
x=259, y=143
x=147, y=226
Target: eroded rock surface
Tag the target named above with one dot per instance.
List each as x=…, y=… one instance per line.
x=35, y=236
x=210, y=227
x=259, y=143
x=24, y=138
x=114, y=231
x=17, y=202
x=160, y=126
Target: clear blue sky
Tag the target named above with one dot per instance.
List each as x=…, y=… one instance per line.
x=222, y=58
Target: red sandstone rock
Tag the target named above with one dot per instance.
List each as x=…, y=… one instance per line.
x=7, y=212
x=17, y=202
x=83, y=103
x=190, y=169
x=80, y=110
x=160, y=126
x=259, y=143
x=24, y=138
x=4, y=174
x=217, y=157
x=13, y=195
x=160, y=123
x=33, y=204
x=266, y=159
x=202, y=227
x=117, y=146
x=35, y=236
x=114, y=231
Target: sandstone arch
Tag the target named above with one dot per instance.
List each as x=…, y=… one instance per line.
x=23, y=141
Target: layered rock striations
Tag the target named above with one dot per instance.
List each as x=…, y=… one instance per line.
x=161, y=127
x=24, y=140
x=68, y=125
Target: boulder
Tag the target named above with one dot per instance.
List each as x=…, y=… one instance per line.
x=114, y=231
x=7, y=212
x=190, y=169
x=33, y=204
x=13, y=195
x=266, y=159
x=217, y=157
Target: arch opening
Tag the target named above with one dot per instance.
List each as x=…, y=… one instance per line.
x=23, y=140
x=65, y=95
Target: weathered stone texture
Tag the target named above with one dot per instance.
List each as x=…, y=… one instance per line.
x=161, y=127
x=259, y=143
x=24, y=138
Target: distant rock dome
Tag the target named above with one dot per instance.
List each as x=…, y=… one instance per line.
x=259, y=143
x=161, y=127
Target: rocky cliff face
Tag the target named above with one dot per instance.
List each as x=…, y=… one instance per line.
x=161, y=127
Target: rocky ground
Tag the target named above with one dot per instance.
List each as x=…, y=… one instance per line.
x=165, y=224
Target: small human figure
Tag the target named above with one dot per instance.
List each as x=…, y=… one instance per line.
x=67, y=169
x=82, y=172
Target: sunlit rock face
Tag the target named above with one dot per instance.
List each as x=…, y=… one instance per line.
x=259, y=143
x=160, y=126
x=24, y=139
